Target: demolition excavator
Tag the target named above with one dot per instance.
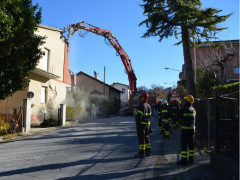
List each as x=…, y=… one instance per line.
x=73, y=28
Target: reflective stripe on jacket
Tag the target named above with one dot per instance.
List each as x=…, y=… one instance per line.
x=143, y=114
x=187, y=114
x=166, y=114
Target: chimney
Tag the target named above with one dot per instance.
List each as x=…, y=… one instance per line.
x=95, y=75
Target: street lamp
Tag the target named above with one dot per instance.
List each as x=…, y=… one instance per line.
x=166, y=68
x=173, y=84
x=169, y=83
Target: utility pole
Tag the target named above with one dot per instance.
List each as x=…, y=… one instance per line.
x=104, y=81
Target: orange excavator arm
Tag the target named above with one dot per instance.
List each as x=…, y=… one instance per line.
x=72, y=28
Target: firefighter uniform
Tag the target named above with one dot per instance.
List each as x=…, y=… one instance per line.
x=166, y=118
x=143, y=118
x=159, y=109
x=187, y=116
x=174, y=109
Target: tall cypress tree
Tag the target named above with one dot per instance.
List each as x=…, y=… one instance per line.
x=166, y=18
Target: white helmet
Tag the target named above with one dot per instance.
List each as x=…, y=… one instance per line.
x=164, y=101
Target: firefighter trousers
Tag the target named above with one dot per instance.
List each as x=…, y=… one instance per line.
x=187, y=145
x=143, y=132
x=166, y=127
x=160, y=125
x=174, y=121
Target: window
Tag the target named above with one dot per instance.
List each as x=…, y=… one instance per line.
x=45, y=59
x=14, y=111
x=43, y=94
x=123, y=90
x=69, y=91
x=236, y=70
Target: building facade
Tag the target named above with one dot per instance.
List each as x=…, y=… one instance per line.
x=93, y=86
x=224, y=61
x=125, y=95
x=50, y=80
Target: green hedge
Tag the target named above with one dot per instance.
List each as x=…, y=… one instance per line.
x=113, y=106
x=73, y=113
x=227, y=88
x=49, y=123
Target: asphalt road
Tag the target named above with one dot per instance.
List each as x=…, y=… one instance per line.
x=100, y=149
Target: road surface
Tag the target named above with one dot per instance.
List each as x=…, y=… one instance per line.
x=100, y=149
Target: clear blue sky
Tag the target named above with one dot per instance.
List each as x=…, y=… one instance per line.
x=122, y=17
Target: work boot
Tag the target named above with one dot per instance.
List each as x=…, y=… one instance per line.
x=140, y=154
x=182, y=162
x=190, y=160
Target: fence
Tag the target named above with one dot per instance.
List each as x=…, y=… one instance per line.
x=217, y=124
x=227, y=126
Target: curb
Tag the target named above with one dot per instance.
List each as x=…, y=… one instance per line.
x=33, y=132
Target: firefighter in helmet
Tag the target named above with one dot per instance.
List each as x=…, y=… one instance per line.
x=159, y=109
x=186, y=116
x=166, y=118
x=143, y=118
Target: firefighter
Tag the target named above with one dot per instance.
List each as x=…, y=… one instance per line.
x=166, y=118
x=143, y=118
x=159, y=109
x=187, y=119
x=174, y=109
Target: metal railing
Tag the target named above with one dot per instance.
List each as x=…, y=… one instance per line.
x=227, y=126
x=217, y=124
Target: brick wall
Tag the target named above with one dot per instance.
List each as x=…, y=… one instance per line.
x=66, y=76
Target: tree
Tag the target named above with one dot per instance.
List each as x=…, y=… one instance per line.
x=144, y=88
x=168, y=92
x=223, y=56
x=167, y=18
x=156, y=91
x=19, y=45
x=206, y=80
x=181, y=88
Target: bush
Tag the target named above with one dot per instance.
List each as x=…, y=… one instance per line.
x=73, y=113
x=206, y=80
x=49, y=123
x=227, y=88
x=113, y=106
x=4, y=126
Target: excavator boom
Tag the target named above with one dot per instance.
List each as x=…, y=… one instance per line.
x=73, y=28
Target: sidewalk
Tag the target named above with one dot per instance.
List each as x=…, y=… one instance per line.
x=34, y=131
x=166, y=167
